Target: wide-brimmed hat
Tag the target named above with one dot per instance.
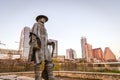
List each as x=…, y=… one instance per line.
x=41, y=16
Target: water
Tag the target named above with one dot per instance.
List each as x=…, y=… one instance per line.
x=16, y=77
x=64, y=78
x=68, y=79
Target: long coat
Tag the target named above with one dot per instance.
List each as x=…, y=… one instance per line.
x=43, y=53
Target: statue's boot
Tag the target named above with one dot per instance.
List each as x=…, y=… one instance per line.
x=49, y=69
x=37, y=72
x=45, y=74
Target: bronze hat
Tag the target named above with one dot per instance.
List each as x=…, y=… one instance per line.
x=41, y=16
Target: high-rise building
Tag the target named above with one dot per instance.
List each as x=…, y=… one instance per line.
x=71, y=54
x=83, y=46
x=89, y=52
x=86, y=49
x=24, y=42
x=98, y=54
x=55, y=52
x=109, y=55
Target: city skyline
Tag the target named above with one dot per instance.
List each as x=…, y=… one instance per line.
x=97, y=20
x=96, y=54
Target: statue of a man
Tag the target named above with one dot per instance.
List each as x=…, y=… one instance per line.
x=39, y=51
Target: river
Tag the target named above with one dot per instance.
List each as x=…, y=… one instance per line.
x=64, y=78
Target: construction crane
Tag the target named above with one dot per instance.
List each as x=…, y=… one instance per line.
x=2, y=43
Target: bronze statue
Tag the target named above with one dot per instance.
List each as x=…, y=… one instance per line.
x=39, y=51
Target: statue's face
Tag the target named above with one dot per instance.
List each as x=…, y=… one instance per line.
x=43, y=20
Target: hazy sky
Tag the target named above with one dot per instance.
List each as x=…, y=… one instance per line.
x=69, y=20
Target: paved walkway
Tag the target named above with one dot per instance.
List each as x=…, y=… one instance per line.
x=15, y=77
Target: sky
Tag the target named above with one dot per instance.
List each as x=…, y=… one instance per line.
x=69, y=20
